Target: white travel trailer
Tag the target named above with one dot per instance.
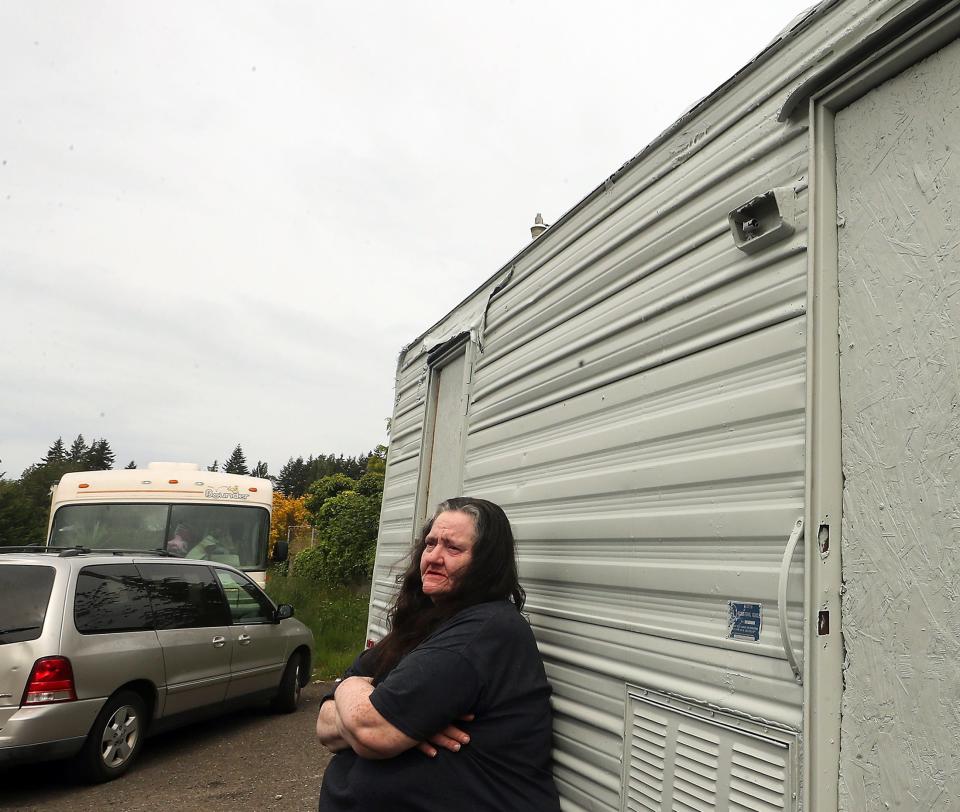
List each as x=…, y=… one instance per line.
x=720, y=401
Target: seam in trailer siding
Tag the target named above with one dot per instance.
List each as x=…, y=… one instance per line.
x=767, y=318
x=753, y=368
x=645, y=328
x=645, y=313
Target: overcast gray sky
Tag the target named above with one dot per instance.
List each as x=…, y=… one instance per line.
x=221, y=221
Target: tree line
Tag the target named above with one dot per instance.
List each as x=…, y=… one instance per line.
x=25, y=502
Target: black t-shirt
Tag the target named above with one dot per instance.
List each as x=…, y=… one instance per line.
x=483, y=661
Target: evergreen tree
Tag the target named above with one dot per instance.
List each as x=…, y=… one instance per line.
x=100, y=457
x=214, y=467
x=292, y=481
x=236, y=463
x=56, y=453
x=131, y=465
x=328, y=465
x=78, y=450
x=260, y=470
x=34, y=487
x=18, y=516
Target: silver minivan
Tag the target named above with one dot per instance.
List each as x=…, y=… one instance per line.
x=99, y=648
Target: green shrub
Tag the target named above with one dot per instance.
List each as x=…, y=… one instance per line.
x=346, y=541
x=325, y=488
x=310, y=563
x=370, y=484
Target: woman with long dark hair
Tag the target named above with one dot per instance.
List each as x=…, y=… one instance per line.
x=450, y=710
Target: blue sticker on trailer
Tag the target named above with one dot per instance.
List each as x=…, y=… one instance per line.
x=744, y=621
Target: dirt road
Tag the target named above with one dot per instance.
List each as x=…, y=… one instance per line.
x=252, y=760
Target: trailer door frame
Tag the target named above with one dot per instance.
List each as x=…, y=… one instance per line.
x=445, y=423
x=823, y=643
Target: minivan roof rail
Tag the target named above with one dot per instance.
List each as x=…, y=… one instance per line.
x=66, y=552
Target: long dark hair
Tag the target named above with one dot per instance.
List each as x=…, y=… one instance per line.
x=491, y=576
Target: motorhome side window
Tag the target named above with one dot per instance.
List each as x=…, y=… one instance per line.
x=445, y=427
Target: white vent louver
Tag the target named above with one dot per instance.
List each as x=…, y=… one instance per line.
x=682, y=757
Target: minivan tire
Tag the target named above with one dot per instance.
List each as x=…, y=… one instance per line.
x=114, y=741
x=288, y=694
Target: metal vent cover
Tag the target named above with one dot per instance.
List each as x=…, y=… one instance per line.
x=684, y=757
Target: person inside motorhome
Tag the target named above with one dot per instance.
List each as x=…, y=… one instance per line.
x=181, y=541
x=450, y=710
x=216, y=545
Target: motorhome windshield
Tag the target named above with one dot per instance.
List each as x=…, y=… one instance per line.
x=232, y=534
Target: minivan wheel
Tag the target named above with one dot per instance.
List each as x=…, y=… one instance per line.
x=288, y=694
x=115, y=738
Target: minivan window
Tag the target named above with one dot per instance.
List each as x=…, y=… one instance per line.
x=247, y=603
x=111, y=598
x=185, y=596
x=24, y=594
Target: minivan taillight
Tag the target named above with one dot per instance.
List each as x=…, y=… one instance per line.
x=51, y=680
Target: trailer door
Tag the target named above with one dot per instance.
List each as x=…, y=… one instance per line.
x=444, y=433
x=898, y=201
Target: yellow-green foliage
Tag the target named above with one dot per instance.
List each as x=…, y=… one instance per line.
x=287, y=513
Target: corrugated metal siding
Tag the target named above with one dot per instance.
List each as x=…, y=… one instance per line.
x=400, y=487
x=638, y=410
x=639, y=413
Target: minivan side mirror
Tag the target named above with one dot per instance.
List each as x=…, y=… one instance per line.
x=284, y=611
x=280, y=551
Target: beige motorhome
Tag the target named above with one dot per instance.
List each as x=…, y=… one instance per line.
x=172, y=506
x=719, y=401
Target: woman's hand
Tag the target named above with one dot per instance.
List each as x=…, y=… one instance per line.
x=327, y=730
x=450, y=738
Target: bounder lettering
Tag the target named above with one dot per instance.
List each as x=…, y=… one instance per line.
x=229, y=494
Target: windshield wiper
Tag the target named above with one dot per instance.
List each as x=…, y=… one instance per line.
x=18, y=629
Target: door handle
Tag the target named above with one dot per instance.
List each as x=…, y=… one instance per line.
x=785, y=641
x=218, y=641
x=244, y=639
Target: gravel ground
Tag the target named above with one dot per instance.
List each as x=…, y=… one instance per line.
x=251, y=760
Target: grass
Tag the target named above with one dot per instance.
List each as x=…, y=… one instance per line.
x=336, y=616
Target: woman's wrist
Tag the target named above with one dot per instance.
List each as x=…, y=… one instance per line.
x=332, y=692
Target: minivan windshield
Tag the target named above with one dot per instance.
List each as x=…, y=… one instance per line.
x=24, y=594
x=232, y=534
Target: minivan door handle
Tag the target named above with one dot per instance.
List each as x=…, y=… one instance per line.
x=218, y=641
x=244, y=639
